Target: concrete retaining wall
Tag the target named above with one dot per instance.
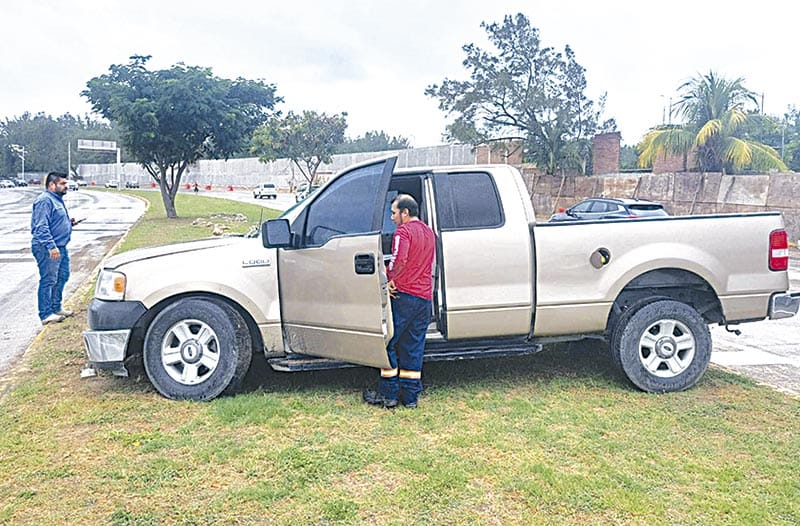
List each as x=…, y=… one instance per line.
x=247, y=173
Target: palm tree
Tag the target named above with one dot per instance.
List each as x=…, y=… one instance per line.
x=714, y=110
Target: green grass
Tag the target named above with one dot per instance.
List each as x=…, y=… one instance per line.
x=555, y=438
x=197, y=216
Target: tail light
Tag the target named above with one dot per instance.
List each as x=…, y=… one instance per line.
x=778, y=250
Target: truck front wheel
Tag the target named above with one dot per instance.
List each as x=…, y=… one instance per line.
x=664, y=346
x=196, y=349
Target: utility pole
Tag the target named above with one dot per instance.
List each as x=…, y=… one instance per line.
x=783, y=138
x=20, y=150
x=670, y=111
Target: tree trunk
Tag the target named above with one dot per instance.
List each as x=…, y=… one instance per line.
x=167, y=195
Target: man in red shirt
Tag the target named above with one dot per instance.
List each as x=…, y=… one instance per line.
x=411, y=289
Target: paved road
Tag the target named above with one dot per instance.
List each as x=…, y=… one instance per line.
x=108, y=215
x=283, y=202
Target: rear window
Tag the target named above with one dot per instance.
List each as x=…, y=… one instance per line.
x=467, y=200
x=648, y=209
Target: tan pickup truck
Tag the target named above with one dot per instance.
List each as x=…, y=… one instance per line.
x=311, y=293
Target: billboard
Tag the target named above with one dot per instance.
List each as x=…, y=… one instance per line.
x=103, y=146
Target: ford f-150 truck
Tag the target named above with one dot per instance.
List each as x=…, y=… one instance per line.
x=312, y=292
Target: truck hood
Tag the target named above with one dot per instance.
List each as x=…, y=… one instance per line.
x=165, y=250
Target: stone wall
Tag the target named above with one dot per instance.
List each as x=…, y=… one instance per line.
x=681, y=193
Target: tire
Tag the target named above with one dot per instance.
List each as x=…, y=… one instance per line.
x=197, y=349
x=622, y=321
x=662, y=347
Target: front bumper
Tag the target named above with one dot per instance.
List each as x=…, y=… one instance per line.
x=784, y=305
x=106, y=349
x=110, y=326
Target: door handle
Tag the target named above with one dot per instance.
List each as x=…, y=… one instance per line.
x=365, y=264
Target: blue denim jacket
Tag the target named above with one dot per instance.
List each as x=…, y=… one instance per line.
x=50, y=222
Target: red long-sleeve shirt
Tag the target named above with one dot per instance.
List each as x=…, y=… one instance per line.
x=411, y=265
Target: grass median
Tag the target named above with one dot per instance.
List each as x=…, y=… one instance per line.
x=555, y=438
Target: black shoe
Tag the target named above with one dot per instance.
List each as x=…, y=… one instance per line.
x=375, y=398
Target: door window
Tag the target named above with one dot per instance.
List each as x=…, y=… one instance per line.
x=346, y=207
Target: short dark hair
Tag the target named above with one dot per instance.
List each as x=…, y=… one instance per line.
x=53, y=177
x=409, y=203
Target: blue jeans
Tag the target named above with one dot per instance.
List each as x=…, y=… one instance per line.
x=53, y=276
x=411, y=316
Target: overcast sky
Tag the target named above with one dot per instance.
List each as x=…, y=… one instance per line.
x=374, y=59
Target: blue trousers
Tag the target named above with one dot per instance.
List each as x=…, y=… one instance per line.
x=53, y=276
x=411, y=316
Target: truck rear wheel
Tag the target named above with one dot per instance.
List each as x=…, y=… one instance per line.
x=197, y=349
x=664, y=346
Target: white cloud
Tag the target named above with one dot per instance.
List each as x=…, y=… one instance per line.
x=374, y=59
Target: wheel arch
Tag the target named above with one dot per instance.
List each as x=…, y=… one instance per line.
x=667, y=283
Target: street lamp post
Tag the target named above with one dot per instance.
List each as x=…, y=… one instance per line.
x=19, y=150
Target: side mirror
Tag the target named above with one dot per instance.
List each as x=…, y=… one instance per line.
x=276, y=233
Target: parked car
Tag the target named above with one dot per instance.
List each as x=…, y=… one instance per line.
x=20, y=182
x=112, y=184
x=131, y=184
x=5, y=183
x=267, y=190
x=72, y=185
x=34, y=181
x=81, y=182
x=599, y=208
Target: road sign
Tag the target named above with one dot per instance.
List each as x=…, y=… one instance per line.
x=103, y=146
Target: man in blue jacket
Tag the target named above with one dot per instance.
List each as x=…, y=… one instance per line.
x=51, y=228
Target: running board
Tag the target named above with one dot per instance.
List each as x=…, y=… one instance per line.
x=303, y=362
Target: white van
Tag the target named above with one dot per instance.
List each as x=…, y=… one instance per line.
x=267, y=190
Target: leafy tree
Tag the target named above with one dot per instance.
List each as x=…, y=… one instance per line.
x=308, y=139
x=790, y=139
x=782, y=133
x=171, y=118
x=373, y=141
x=522, y=88
x=716, y=116
x=46, y=141
x=627, y=157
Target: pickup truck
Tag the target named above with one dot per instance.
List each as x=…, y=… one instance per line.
x=311, y=293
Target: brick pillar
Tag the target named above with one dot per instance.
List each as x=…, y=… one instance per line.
x=673, y=163
x=605, y=153
x=499, y=152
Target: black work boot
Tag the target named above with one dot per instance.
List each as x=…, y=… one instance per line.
x=375, y=398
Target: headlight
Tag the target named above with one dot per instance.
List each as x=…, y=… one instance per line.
x=110, y=286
